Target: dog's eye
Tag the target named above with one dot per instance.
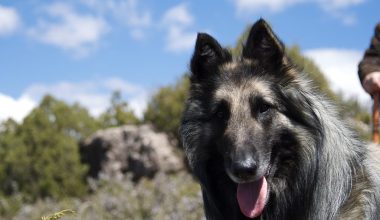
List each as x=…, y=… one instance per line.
x=263, y=108
x=222, y=111
x=220, y=114
x=259, y=106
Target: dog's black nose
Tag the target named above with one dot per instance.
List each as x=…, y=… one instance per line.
x=244, y=169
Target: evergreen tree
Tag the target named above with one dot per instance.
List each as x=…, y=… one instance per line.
x=118, y=113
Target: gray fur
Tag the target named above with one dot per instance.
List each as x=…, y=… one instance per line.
x=315, y=166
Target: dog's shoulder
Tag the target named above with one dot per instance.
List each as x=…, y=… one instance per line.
x=365, y=191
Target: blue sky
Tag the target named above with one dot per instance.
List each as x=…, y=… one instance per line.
x=82, y=50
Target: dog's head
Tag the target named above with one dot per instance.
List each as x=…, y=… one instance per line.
x=246, y=110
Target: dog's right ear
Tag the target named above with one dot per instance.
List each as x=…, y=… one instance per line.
x=208, y=55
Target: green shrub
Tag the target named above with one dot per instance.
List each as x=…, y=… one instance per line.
x=40, y=157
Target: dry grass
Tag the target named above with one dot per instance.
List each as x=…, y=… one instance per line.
x=175, y=196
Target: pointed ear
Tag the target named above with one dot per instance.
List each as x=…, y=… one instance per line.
x=208, y=55
x=263, y=45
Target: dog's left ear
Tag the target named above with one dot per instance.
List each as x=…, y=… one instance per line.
x=263, y=45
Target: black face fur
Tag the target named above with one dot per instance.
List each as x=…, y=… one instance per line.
x=243, y=121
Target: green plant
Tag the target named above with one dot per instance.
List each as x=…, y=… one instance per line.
x=40, y=157
x=58, y=215
x=118, y=113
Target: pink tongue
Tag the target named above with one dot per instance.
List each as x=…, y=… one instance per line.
x=251, y=197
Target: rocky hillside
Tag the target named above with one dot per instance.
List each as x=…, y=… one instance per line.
x=134, y=173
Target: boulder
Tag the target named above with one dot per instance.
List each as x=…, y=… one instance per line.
x=138, y=150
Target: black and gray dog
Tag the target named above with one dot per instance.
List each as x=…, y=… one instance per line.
x=265, y=145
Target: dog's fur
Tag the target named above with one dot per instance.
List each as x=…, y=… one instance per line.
x=260, y=108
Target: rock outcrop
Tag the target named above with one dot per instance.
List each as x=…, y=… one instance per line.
x=138, y=150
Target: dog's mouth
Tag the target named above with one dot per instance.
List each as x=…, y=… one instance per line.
x=252, y=186
x=252, y=193
x=252, y=197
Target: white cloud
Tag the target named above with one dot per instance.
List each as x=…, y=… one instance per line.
x=126, y=11
x=336, y=8
x=69, y=30
x=94, y=95
x=179, y=40
x=137, y=34
x=177, y=20
x=121, y=85
x=10, y=20
x=339, y=4
x=346, y=18
x=244, y=6
x=340, y=66
x=178, y=15
x=15, y=108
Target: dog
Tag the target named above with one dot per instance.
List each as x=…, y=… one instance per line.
x=265, y=144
